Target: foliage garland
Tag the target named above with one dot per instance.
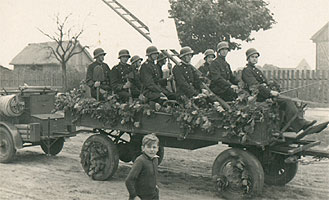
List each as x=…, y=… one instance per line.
x=200, y=112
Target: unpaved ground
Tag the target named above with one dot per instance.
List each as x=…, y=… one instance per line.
x=184, y=174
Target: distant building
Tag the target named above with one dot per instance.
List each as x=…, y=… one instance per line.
x=321, y=39
x=303, y=65
x=38, y=57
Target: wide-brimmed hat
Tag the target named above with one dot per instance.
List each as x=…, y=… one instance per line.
x=222, y=45
x=251, y=52
x=135, y=59
x=185, y=51
x=98, y=52
x=123, y=52
x=209, y=52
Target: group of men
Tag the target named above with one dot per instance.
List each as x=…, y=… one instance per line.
x=136, y=79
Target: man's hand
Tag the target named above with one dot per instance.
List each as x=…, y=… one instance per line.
x=127, y=85
x=171, y=77
x=274, y=93
x=102, y=91
x=235, y=87
x=163, y=96
x=97, y=84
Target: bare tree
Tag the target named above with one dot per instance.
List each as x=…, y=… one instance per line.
x=67, y=45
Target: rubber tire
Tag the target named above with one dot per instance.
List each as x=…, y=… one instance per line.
x=290, y=170
x=252, y=164
x=54, y=148
x=113, y=156
x=7, y=152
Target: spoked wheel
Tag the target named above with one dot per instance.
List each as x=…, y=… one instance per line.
x=277, y=172
x=7, y=149
x=52, y=146
x=238, y=174
x=99, y=157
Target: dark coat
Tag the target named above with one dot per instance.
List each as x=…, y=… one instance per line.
x=254, y=79
x=106, y=84
x=204, y=69
x=221, y=76
x=188, y=82
x=150, y=77
x=142, y=178
x=119, y=76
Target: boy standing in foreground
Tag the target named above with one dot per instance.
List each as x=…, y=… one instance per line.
x=142, y=178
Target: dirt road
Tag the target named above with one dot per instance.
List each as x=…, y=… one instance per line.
x=184, y=174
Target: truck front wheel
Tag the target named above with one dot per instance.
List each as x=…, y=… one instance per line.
x=7, y=149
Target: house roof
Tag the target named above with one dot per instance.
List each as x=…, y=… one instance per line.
x=303, y=64
x=40, y=54
x=319, y=33
x=4, y=68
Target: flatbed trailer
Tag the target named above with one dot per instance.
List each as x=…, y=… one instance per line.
x=238, y=172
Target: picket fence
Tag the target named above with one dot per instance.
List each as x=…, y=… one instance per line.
x=17, y=78
x=313, y=84
x=288, y=79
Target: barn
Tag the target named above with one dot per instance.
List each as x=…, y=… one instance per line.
x=321, y=40
x=38, y=57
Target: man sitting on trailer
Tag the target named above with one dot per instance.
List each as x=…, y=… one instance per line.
x=161, y=61
x=151, y=75
x=119, y=76
x=223, y=82
x=91, y=81
x=188, y=82
x=257, y=85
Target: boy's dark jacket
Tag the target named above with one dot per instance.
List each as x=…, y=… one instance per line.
x=142, y=178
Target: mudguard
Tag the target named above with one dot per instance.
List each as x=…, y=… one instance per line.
x=18, y=143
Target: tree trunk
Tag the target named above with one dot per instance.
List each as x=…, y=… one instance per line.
x=64, y=78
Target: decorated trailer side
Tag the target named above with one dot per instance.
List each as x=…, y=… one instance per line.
x=26, y=119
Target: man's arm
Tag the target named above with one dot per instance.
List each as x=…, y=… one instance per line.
x=132, y=177
x=249, y=78
x=182, y=83
x=147, y=79
x=89, y=76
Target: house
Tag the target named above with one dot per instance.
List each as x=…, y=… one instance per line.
x=4, y=69
x=321, y=40
x=303, y=65
x=38, y=57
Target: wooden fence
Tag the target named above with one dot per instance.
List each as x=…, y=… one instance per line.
x=17, y=78
x=318, y=91
x=288, y=79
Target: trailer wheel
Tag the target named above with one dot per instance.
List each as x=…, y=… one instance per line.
x=7, y=149
x=99, y=157
x=237, y=174
x=55, y=146
x=278, y=172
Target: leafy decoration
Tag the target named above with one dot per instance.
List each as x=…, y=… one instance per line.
x=198, y=113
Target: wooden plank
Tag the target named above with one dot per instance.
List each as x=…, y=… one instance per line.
x=307, y=90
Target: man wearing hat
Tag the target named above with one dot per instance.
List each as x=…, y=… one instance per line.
x=119, y=76
x=209, y=56
x=134, y=76
x=223, y=82
x=257, y=85
x=161, y=61
x=90, y=78
x=151, y=75
x=188, y=83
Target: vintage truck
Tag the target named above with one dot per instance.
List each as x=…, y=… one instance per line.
x=26, y=119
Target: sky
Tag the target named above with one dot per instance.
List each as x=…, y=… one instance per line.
x=285, y=45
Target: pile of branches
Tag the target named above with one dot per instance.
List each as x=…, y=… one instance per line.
x=200, y=112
